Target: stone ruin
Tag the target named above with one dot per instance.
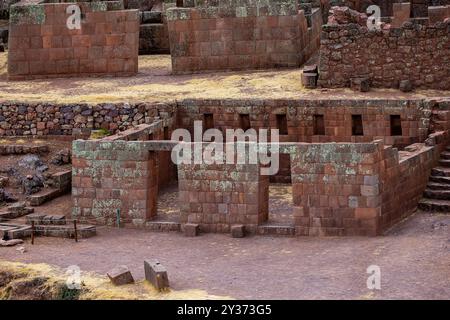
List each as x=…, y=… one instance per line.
x=236, y=35
x=41, y=45
x=356, y=167
x=345, y=180
x=412, y=51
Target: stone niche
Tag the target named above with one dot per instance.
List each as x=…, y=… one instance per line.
x=42, y=45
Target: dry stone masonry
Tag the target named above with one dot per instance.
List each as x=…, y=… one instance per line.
x=232, y=35
x=416, y=50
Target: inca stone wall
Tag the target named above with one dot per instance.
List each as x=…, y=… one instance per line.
x=417, y=51
x=337, y=115
x=18, y=119
x=117, y=178
x=41, y=44
x=108, y=177
x=418, y=7
x=218, y=196
x=338, y=188
x=241, y=35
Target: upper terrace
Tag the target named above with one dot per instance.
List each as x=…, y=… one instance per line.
x=154, y=83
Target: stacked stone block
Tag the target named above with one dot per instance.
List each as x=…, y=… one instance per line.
x=414, y=114
x=417, y=51
x=235, y=36
x=335, y=188
x=153, y=33
x=41, y=44
x=217, y=196
x=42, y=119
x=112, y=176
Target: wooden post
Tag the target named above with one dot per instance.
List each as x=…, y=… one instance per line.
x=32, y=231
x=75, y=229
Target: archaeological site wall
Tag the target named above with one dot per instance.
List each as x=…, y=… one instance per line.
x=297, y=120
x=416, y=50
x=120, y=175
x=339, y=188
x=241, y=35
x=41, y=119
x=418, y=8
x=41, y=44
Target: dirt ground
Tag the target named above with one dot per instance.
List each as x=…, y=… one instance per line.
x=414, y=259
x=155, y=83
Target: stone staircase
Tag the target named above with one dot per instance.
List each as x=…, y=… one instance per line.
x=57, y=226
x=437, y=194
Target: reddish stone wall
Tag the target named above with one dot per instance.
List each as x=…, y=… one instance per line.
x=41, y=45
x=338, y=188
x=41, y=119
x=120, y=172
x=115, y=176
x=218, y=196
x=418, y=51
x=405, y=177
x=335, y=188
x=358, y=189
x=247, y=37
x=414, y=114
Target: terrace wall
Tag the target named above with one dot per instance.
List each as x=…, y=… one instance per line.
x=41, y=119
x=414, y=114
x=120, y=173
x=241, y=35
x=417, y=51
x=41, y=44
x=217, y=196
x=339, y=189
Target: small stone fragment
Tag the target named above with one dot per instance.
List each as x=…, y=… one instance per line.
x=120, y=275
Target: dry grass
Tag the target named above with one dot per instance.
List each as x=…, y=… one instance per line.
x=155, y=83
x=97, y=287
x=3, y=65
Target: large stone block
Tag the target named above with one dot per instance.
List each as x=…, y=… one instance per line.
x=156, y=274
x=120, y=275
x=238, y=231
x=191, y=229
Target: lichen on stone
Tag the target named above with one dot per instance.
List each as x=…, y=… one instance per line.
x=27, y=14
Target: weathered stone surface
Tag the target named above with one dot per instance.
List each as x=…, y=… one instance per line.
x=238, y=231
x=191, y=229
x=10, y=243
x=90, y=54
x=309, y=80
x=360, y=84
x=405, y=86
x=59, y=119
x=3, y=181
x=232, y=35
x=387, y=56
x=345, y=15
x=156, y=274
x=153, y=39
x=32, y=184
x=62, y=157
x=120, y=275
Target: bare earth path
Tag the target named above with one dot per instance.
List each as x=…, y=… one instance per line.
x=155, y=83
x=414, y=260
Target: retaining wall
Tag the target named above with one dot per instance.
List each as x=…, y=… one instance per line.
x=41, y=45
